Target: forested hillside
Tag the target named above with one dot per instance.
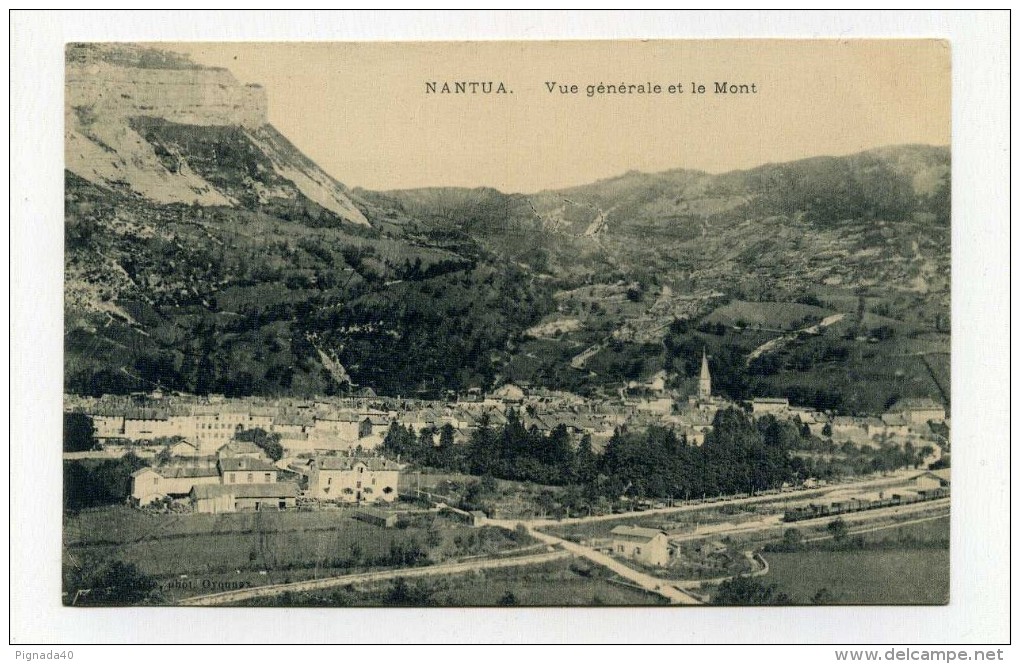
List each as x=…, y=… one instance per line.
x=206, y=254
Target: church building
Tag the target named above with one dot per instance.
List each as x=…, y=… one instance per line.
x=705, y=379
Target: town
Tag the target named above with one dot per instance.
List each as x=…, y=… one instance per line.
x=675, y=387
x=350, y=455
x=200, y=440
x=199, y=426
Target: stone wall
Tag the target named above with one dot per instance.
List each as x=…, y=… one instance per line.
x=187, y=96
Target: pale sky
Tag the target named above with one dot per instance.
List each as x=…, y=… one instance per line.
x=360, y=110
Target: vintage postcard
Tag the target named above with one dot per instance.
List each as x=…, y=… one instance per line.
x=504, y=324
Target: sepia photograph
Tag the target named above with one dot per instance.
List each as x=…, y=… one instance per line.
x=507, y=324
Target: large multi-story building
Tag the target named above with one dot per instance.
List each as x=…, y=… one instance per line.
x=230, y=484
x=917, y=411
x=353, y=479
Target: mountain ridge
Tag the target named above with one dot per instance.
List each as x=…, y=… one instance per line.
x=110, y=96
x=206, y=253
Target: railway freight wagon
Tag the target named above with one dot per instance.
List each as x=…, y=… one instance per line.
x=813, y=511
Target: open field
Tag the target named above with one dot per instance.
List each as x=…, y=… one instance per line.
x=922, y=530
x=781, y=315
x=882, y=521
x=268, y=547
x=561, y=583
x=118, y=524
x=905, y=576
x=868, y=381
x=899, y=564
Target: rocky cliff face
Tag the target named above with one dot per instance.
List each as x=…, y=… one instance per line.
x=111, y=88
x=186, y=96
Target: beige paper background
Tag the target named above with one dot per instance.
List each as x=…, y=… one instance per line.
x=360, y=110
x=979, y=609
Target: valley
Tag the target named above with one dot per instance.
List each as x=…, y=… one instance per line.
x=206, y=254
x=281, y=390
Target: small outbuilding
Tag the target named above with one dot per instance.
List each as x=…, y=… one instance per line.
x=376, y=517
x=146, y=486
x=931, y=479
x=184, y=448
x=645, y=545
x=218, y=498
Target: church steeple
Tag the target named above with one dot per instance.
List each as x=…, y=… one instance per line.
x=705, y=380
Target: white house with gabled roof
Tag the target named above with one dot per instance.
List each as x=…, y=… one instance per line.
x=353, y=479
x=645, y=545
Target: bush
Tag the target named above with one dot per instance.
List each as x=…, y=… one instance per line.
x=839, y=530
x=114, y=584
x=401, y=593
x=91, y=484
x=745, y=591
x=508, y=599
x=79, y=434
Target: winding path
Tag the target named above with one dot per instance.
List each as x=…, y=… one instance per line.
x=778, y=342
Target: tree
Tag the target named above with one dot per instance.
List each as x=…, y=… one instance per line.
x=792, y=539
x=400, y=441
x=268, y=442
x=423, y=447
x=508, y=599
x=88, y=483
x=479, y=493
x=839, y=530
x=587, y=463
x=113, y=584
x=445, y=452
x=401, y=593
x=823, y=596
x=883, y=333
x=433, y=538
x=745, y=591
x=164, y=457
x=79, y=432
x=738, y=456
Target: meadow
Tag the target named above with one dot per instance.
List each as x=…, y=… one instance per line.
x=267, y=547
x=908, y=564
x=908, y=576
x=773, y=315
x=562, y=583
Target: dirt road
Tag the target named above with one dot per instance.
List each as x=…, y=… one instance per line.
x=368, y=577
x=776, y=521
x=887, y=526
x=778, y=342
x=653, y=584
x=894, y=478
